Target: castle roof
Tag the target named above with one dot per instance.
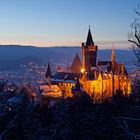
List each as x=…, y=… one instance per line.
x=104, y=63
x=89, y=40
x=65, y=77
x=119, y=68
x=51, y=91
x=48, y=72
x=76, y=65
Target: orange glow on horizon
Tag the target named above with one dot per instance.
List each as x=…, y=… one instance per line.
x=101, y=44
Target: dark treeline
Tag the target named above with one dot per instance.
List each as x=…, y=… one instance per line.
x=77, y=118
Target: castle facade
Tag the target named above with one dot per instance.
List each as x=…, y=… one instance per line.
x=100, y=79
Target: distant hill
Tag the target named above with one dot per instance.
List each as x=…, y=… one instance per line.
x=12, y=56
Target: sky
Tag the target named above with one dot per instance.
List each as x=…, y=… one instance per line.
x=65, y=22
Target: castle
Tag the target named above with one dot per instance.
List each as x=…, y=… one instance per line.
x=100, y=79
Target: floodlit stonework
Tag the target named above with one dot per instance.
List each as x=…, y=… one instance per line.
x=100, y=79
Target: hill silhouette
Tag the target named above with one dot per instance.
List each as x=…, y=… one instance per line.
x=12, y=56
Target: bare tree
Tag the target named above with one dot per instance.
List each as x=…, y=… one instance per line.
x=134, y=35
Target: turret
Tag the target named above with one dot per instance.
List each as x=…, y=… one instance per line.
x=48, y=72
x=113, y=58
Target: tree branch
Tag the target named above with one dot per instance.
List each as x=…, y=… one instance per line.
x=137, y=36
x=133, y=42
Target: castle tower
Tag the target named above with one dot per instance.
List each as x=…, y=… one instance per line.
x=89, y=52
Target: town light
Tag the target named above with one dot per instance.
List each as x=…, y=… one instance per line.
x=82, y=70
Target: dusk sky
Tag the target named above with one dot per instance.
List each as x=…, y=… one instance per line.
x=64, y=22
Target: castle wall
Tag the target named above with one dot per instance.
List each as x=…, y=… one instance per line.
x=66, y=88
x=101, y=89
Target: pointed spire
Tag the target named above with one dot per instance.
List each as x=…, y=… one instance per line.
x=76, y=65
x=48, y=72
x=113, y=57
x=89, y=38
x=78, y=84
x=113, y=53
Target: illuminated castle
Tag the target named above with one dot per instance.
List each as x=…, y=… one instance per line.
x=100, y=79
